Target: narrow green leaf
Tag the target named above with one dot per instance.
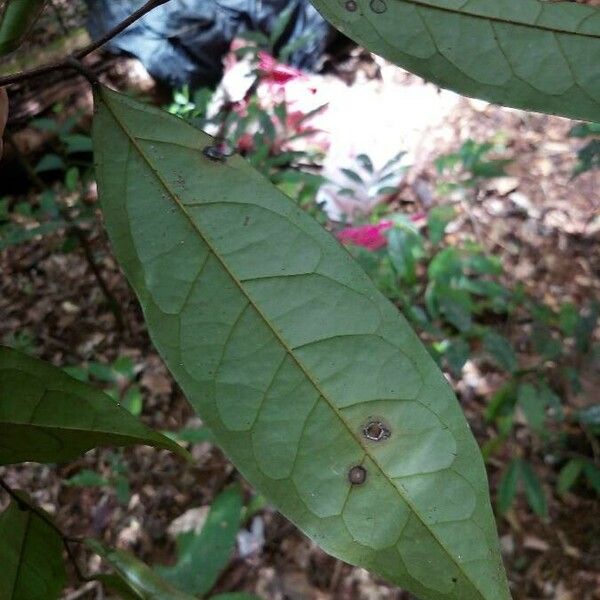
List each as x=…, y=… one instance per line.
x=533, y=406
x=50, y=162
x=457, y=355
x=437, y=221
x=16, y=19
x=137, y=577
x=483, y=49
x=47, y=416
x=501, y=350
x=352, y=175
x=31, y=561
x=289, y=353
x=201, y=557
x=568, y=475
x=507, y=489
x=365, y=161
x=87, y=478
x=456, y=306
x=533, y=489
x=281, y=24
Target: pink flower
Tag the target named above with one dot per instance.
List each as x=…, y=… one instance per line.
x=273, y=71
x=368, y=236
x=245, y=143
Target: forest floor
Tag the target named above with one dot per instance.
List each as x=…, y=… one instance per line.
x=542, y=224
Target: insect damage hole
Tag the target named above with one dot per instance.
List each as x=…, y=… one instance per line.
x=376, y=430
x=357, y=475
x=351, y=6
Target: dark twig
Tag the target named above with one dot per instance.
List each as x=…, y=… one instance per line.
x=67, y=62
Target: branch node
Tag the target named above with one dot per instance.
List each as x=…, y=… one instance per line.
x=78, y=66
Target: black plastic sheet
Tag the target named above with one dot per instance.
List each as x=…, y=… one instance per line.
x=184, y=41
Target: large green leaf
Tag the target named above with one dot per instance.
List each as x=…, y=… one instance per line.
x=291, y=356
x=134, y=579
x=201, y=557
x=16, y=19
x=47, y=416
x=528, y=54
x=31, y=562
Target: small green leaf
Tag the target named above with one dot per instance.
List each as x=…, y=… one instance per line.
x=445, y=265
x=437, y=221
x=501, y=350
x=352, y=175
x=47, y=416
x=72, y=179
x=87, y=478
x=533, y=406
x=201, y=557
x=365, y=162
x=457, y=354
x=280, y=25
x=456, y=306
x=76, y=142
x=533, y=490
x=50, y=162
x=507, y=489
x=137, y=577
x=133, y=401
x=568, y=475
x=403, y=246
x=102, y=372
x=31, y=562
x=567, y=318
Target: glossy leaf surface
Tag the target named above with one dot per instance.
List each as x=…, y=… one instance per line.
x=137, y=578
x=31, y=562
x=294, y=359
x=48, y=416
x=202, y=556
x=528, y=54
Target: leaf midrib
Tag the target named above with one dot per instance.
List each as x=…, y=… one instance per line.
x=506, y=21
x=286, y=347
x=21, y=553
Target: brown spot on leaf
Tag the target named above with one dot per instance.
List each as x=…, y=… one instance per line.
x=357, y=475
